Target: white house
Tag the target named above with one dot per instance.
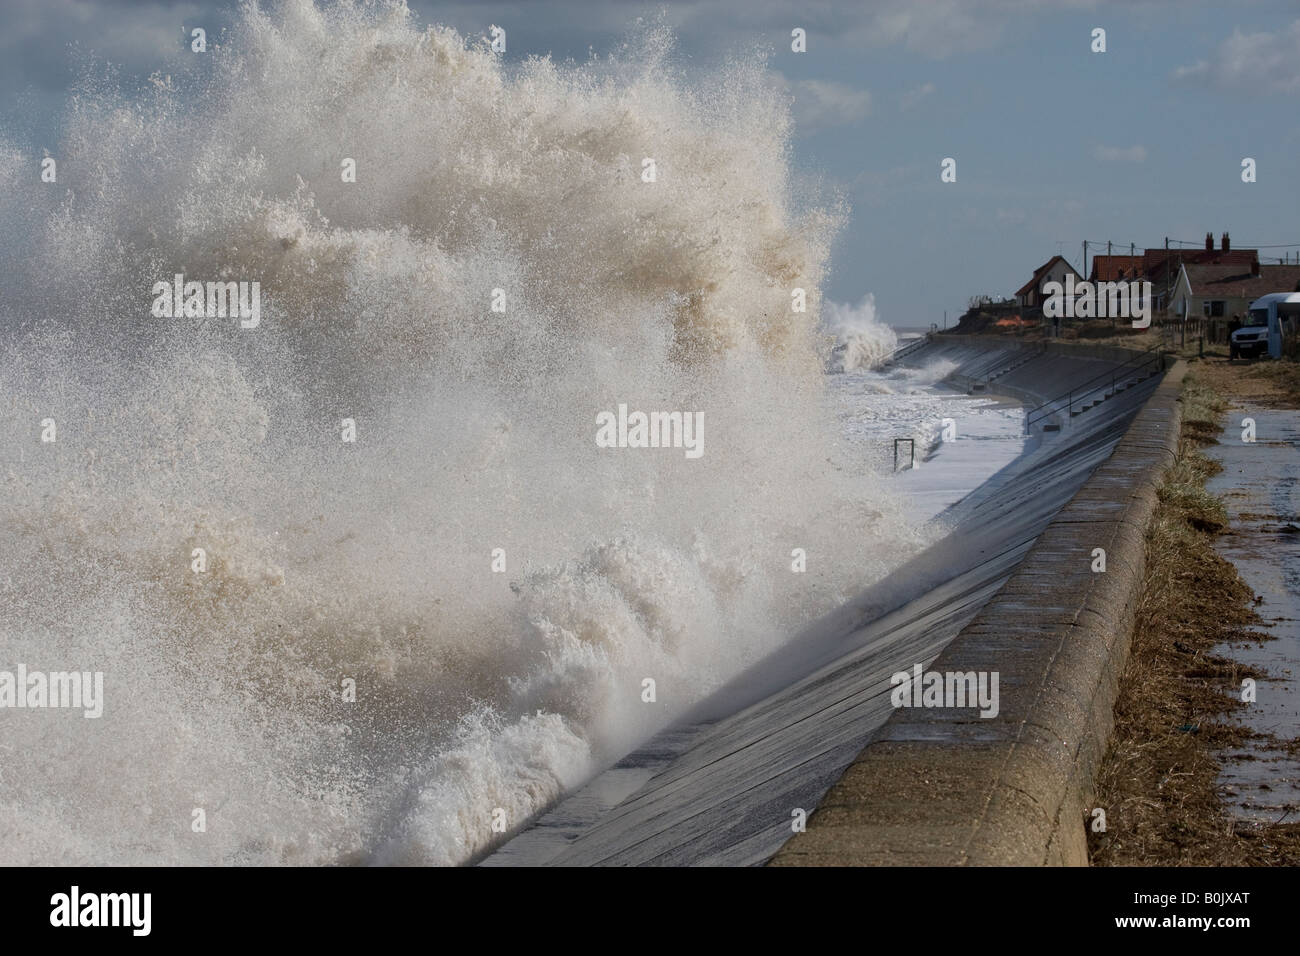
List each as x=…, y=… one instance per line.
x=1055, y=269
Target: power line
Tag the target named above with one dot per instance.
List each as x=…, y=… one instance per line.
x=1247, y=245
x=1109, y=243
x=1189, y=242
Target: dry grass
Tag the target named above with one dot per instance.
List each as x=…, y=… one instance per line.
x=1267, y=383
x=1158, y=783
x=1281, y=378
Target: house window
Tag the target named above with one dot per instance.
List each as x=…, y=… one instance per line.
x=1205, y=307
x=1216, y=308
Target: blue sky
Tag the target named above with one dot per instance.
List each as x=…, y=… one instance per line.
x=1054, y=143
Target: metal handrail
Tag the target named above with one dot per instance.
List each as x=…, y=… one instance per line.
x=984, y=374
x=904, y=349
x=1036, y=349
x=1145, y=357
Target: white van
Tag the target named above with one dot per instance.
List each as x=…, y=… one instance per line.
x=1269, y=316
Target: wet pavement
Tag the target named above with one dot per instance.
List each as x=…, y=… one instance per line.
x=1260, y=487
x=938, y=465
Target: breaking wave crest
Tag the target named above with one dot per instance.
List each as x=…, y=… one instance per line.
x=861, y=339
x=480, y=695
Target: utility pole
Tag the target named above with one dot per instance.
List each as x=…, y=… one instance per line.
x=1113, y=322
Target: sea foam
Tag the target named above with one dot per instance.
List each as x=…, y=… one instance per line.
x=326, y=562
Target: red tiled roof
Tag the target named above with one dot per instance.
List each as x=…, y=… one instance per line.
x=1114, y=268
x=1204, y=257
x=1162, y=264
x=1231, y=282
x=1162, y=267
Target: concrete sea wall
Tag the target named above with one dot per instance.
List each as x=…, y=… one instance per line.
x=940, y=786
x=812, y=730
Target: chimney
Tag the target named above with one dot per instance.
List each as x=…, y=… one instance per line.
x=1223, y=243
x=1209, y=242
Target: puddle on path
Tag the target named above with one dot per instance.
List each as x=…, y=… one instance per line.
x=1260, y=487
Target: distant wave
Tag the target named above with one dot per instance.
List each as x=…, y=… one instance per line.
x=861, y=340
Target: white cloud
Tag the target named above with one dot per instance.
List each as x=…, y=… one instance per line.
x=1257, y=62
x=932, y=28
x=912, y=97
x=936, y=29
x=1120, y=154
x=941, y=28
x=822, y=104
x=874, y=187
